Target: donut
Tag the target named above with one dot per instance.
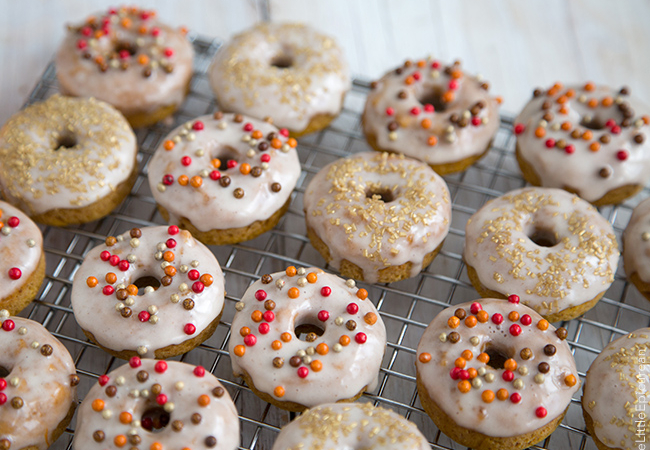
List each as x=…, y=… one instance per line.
x=154, y=292
x=157, y=405
x=38, y=379
x=67, y=160
x=224, y=177
x=377, y=217
x=547, y=244
x=614, y=401
x=487, y=364
x=432, y=112
x=590, y=140
x=636, y=248
x=350, y=426
x=289, y=72
x=127, y=58
x=22, y=261
x=303, y=337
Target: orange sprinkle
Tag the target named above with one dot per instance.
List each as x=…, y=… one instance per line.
x=608, y=101
x=216, y=163
x=183, y=180
x=244, y=331
x=126, y=22
x=464, y=386
x=563, y=110
x=552, y=91
x=570, y=93
x=257, y=134
x=453, y=322
x=286, y=337
x=424, y=357
x=460, y=362
x=316, y=365
x=168, y=256
x=142, y=30
x=92, y=282
x=98, y=404
x=540, y=132
x=322, y=349
x=421, y=63
x=589, y=86
x=587, y=135
x=566, y=126
x=487, y=396
x=448, y=96
x=245, y=168
x=278, y=391
x=206, y=279
x=426, y=123
x=483, y=316
x=240, y=350
x=513, y=316
x=471, y=321
x=294, y=292
x=203, y=400
x=432, y=141
x=344, y=340
x=169, y=145
x=126, y=417
x=646, y=120
x=562, y=99
x=312, y=277
x=156, y=446
x=409, y=80
x=558, y=86
x=503, y=394
x=292, y=142
x=362, y=294
x=370, y=318
x=467, y=354
x=542, y=324
x=499, y=99
x=111, y=277
x=276, y=345
x=98, y=34
x=120, y=440
x=570, y=380
x=276, y=143
x=196, y=181
x=510, y=365
x=143, y=60
x=484, y=358
x=473, y=373
x=132, y=289
x=594, y=146
x=170, y=271
x=592, y=103
x=291, y=271
x=456, y=74
x=257, y=316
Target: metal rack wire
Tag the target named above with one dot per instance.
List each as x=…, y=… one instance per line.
x=406, y=306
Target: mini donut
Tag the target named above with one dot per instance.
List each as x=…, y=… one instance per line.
x=377, y=217
x=590, y=140
x=547, y=244
x=636, y=248
x=22, y=261
x=487, y=364
x=127, y=58
x=157, y=405
x=318, y=340
x=67, y=160
x=38, y=393
x=289, y=72
x=154, y=292
x=614, y=401
x=432, y=112
x=350, y=426
x=225, y=177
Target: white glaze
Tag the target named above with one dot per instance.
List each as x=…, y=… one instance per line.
x=97, y=313
x=245, y=81
x=128, y=90
x=549, y=279
x=411, y=138
x=20, y=246
x=367, y=231
x=181, y=387
x=213, y=206
x=616, y=391
x=468, y=409
x=44, y=383
x=580, y=170
x=636, y=249
x=38, y=177
x=350, y=426
x=344, y=373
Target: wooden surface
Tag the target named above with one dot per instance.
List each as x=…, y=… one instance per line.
x=517, y=45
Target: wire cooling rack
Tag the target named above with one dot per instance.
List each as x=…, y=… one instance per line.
x=406, y=306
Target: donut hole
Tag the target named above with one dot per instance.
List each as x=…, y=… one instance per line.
x=64, y=141
x=543, y=237
x=498, y=355
x=282, y=61
x=120, y=46
x=433, y=96
x=382, y=194
x=227, y=156
x=308, y=330
x=144, y=282
x=4, y=372
x=154, y=419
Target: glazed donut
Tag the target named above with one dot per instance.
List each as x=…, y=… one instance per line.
x=431, y=112
x=615, y=394
x=318, y=340
x=67, y=160
x=377, y=217
x=548, y=244
x=489, y=363
x=589, y=140
x=157, y=405
x=22, y=261
x=127, y=58
x=156, y=292
x=636, y=248
x=288, y=72
x=350, y=426
x=38, y=393
x=225, y=177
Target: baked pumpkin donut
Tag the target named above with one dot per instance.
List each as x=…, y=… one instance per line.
x=432, y=112
x=128, y=58
x=590, y=140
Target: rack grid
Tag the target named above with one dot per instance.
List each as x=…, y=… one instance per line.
x=406, y=306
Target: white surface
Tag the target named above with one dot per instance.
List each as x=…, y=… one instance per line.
x=516, y=45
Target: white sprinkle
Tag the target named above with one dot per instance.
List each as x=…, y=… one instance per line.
x=107, y=414
x=183, y=287
x=179, y=385
x=477, y=383
x=130, y=301
x=310, y=350
x=200, y=152
x=174, y=298
x=149, y=289
x=31, y=243
x=302, y=281
x=35, y=344
x=337, y=347
x=539, y=378
x=131, y=258
x=222, y=125
x=6, y=230
x=142, y=350
x=22, y=331
x=183, y=268
x=350, y=283
x=279, y=284
x=134, y=393
x=481, y=371
x=443, y=337
x=194, y=264
x=489, y=377
x=169, y=407
x=4, y=314
x=239, y=306
x=161, y=187
x=120, y=381
x=250, y=153
x=152, y=309
x=161, y=247
x=392, y=135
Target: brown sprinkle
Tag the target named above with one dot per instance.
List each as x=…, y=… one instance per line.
x=276, y=187
x=111, y=391
x=196, y=418
x=460, y=313
x=135, y=233
x=278, y=362
x=111, y=241
x=224, y=181
x=543, y=367
x=135, y=439
x=188, y=304
x=98, y=436
x=537, y=92
x=526, y=353
x=402, y=95
x=238, y=118
x=561, y=333
x=238, y=193
x=17, y=403
x=295, y=361
x=549, y=350
x=177, y=425
x=74, y=380
x=605, y=172
x=210, y=441
x=269, y=305
x=126, y=312
x=266, y=278
x=218, y=391
x=46, y=350
x=218, y=115
x=5, y=444
x=453, y=337
x=142, y=376
x=351, y=325
x=156, y=389
x=639, y=138
x=256, y=171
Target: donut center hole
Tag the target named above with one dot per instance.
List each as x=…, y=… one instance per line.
x=382, y=194
x=498, y=356
x=4, y=372
x=227, y=157
x=308, y=332
x=155, y=419
x=65, y=140
x=543, y=237
x=433, y=97
x=593, y=123
x=144, y=282
x=125, y=45
x=282, y=61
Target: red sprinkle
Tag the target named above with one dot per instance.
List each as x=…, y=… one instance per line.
x=13, y=222
x=86, y=31
x=325, y=291
x=248, y=126
x=476, y=121
x=105, y=255
x=415, y=111
x=361, y=338
x=215, y=175
x=161, y=399
x=435, y=65
x=526, y=320
x=103, y=380
x=514, y=298
x=198, y=125
x=264, y=328
x=303, y=372
x=453, y=85
x=82, y=44
x=108, y=290
x=3, y=399
x=135, y=362
x=143, y=316
x=231, y=163
x=616, y=129
x=515, y=329
x=519, y=128
x=186, y=160
x=124, y=54
x=508, y=375
x=429, y=108
x=269, y=316
x=155, y=31
x=189, y=329
x=353, y=308
x=541, y=412
x=463, y=374
x=250, y=340
x=515, y=397
x=198, y=287
x=15, y=273
x=550, y=143
x=455, y=373
x=193, y=275
x=260, y=295
x=497, y=318
x=170, y=243
x=416, y=76
x=610, y=123
x=621, y=155
x=124, y=265
x=475, y=308
x=114, y=260
x=569, y=149
x=3, y=384
x=323, y=315
x=284, y=132
x=265, y=157
x=173, y=229
x=8, y=325
x=168, y=52
x=199, y=371
x=390, y=111
x=168, y=179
